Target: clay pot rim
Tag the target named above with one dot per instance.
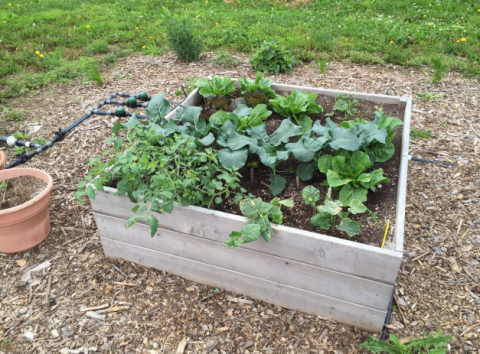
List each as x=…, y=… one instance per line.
x=26, y=172
x=3, y=158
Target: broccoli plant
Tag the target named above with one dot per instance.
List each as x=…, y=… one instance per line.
x=261, y=215
x=331, y=212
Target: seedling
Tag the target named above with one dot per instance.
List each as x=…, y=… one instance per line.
x=428, y=95
x=440, y=69
x=331, y=211
x=322, y=66
x=346, y=105
x=425, y=134
x=261, y=215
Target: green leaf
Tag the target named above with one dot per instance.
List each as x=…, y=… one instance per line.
x=381, y=152
x=305, y=122
x=158, y=108
x=305, y=171
x=237, y=141
x=90, y=192
x=371, y=132
x=321, y=130
x=218, y=119
x=277, y=184
x=344, y=139
x=258, y=115
x=267, y=233
x=334, y=179
x=153, y=222
x=97, y=182
x=325, y=163
x=315, y=144
x=348, y=193
x=250, y=232
x=79, y=195
x=285, y=131
x=286, y=203
x=235, y=159
x=300, y=152
x=359, y=157
x=331, y=207
x=349, y=226
x=207, y=140
x=322, y=220
x=242, y=110
x=250, y=207
x=266, y=158
x=356, y=207
x=376, y=177
x=311, y=195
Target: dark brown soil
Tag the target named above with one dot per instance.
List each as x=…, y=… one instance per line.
x=383, y=201
x=20, y=190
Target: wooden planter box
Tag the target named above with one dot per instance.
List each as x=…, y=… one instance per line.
x=321, y=275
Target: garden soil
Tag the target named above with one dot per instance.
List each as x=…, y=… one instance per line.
x=148, y=311
x=20, y=190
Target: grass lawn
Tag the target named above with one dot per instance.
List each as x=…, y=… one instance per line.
x=56, y=40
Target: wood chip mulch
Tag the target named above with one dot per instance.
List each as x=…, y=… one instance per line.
x=79, y=301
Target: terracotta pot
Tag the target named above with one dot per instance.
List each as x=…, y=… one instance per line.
x=26, y=225
x=3, y=158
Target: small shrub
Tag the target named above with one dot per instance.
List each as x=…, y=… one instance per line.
x=99, y=46
x=273, y=58
x=182, y=39
x=440, y=69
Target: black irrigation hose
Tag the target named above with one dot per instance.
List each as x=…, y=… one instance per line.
x=384, y=335
x=413, y=158
x=120, y=112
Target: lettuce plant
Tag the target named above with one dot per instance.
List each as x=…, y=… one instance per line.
x=347, y=173
x=215, y=86
x=258, y=91
x=331, y=212
x=296, y=106
x=261, y=215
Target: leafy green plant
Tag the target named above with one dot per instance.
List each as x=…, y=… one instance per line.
x=19, y=150
x=162, y=162
x=261, y=215
x=347, y=173
x=345, y=105
x=94, y=75
x=20, y=135
x=215, y=86
x=440, y=69
x=226, y=59
x=322, y=65
x=274, y=58
x=428, y=95
x=296, y=106
x=434, y=344
x=98, y=46
x=425, y=134
x=331, y=211
x=10, y=115
x=183, y=40
x=258, y=91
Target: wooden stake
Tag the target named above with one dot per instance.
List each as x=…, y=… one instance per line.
x=47, y=292
x=298, y=182
x=252, y=174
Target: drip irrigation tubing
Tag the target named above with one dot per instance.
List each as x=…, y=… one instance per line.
x=384, y=335
x=413, y=158
x=131, y=102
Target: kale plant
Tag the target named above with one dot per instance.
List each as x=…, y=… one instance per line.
x=261, y=215
x=273, y=58
x=296, y=106
x=331, y=211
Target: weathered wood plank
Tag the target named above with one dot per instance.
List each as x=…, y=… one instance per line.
x=316, y=249
x=272, y=292
x=361, y=96
x=296, y=274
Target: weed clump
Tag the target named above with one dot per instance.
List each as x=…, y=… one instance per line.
x=183, y=40
x=273, y=58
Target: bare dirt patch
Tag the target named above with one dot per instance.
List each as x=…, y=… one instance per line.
x=19, y=190
x=153, y=312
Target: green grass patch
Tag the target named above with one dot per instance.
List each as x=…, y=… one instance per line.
x=45, y=40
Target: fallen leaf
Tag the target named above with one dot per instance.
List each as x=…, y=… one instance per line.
x=21, y=262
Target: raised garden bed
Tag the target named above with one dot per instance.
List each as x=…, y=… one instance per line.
x=309, y=271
